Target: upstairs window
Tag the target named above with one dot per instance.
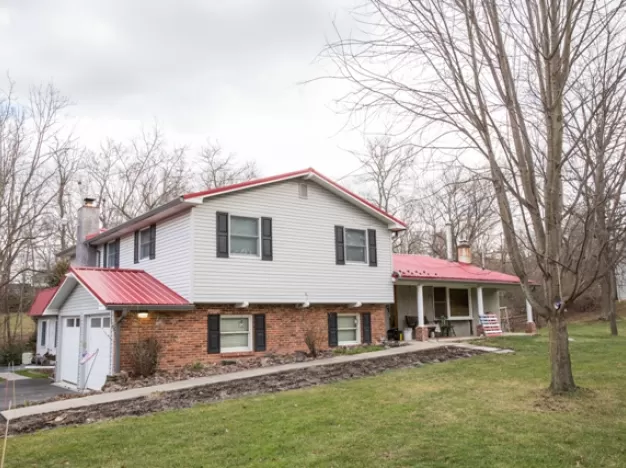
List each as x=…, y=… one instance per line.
x=244, y=236
x=144, y=244
x=356, y=246
x=112, y=255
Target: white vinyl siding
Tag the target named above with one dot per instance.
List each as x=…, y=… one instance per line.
x=46, y=342
x=79, y=302
x=172, y=263
x=303, y=238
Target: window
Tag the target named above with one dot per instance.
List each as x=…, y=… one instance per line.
x=459, y=303
x=144, y=244
x=348, y=330
x=235, y=334
x=44, y=332
x=303, y=191
x=244, y=236
x=112, y=255
x=440, y=301
x=72, y=323
x=106, y=322
x=356, y=245
x=451, y=302
x=96, y=322
x=98, y=259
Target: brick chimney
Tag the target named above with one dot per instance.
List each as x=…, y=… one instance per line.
x=88, y=223
x=464, y=252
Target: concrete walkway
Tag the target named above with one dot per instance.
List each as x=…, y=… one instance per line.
x=11, y=376
x=100, y=398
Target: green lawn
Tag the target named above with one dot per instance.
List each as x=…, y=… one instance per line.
x=32, y=374
x=488, y=411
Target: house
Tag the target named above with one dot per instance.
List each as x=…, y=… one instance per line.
x=230, y=272
x=428, y=289
x=46, y=326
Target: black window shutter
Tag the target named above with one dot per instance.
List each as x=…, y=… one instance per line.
x=221, y=228
x=371, y=242
x=332, y=330
x=105, y=257
x=152, y=241
x=213, y=336
x=366, y=323
x=117, y=253
x=136, y=258
x=266, y=239
x=259, y=332
x=340, y=254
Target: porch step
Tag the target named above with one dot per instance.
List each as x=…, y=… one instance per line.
x=490, y=325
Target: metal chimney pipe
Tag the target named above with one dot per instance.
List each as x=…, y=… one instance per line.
x=449, y=246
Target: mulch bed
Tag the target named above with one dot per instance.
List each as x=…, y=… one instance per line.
x=277, y=382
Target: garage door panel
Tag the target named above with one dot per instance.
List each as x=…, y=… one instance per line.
x=99, y=340
x=70, y=341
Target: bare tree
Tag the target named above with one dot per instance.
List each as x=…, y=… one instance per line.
x=218, y=169
x=30, y=139
x=496, y=77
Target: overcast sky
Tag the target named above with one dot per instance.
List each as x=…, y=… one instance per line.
x=229, y=70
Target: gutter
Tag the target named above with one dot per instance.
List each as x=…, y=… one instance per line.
x=137, y=308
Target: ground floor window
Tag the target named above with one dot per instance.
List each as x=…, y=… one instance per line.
x=235, y=333
x=348, y=329
x=44, y=332
x=451, y=302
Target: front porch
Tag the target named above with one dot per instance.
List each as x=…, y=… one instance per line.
x=457, y=305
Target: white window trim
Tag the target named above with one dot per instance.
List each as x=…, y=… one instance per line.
x=237, y=349
x=147, y=257
x=448, y=315
x=358, y=330
x=345, y=246
x=230, y=235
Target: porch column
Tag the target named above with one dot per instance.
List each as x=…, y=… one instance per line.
x=421, y=332
x=479, y=300
x=420, y=305
x=531, y=327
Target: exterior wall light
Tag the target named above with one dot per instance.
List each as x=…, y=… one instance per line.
x=142, y=315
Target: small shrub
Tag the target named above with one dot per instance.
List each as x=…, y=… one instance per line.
x=196, y=366
x=310, y=339
x=145, y=357
x=12, y=353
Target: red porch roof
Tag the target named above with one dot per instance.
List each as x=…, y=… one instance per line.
x=424, y=267
x=132, y=288
x=41, y=301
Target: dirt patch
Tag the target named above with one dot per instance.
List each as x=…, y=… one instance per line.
x=277, y=382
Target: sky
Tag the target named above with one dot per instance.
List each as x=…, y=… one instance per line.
x=231, y=71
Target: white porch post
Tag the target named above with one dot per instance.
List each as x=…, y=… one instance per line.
x=531, y=326
x=479, y=300
x=529, y=311
x=420, y=305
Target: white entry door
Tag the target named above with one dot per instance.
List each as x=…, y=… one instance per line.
x=70, y=340
x=99, y=347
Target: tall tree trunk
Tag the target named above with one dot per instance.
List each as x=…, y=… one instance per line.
x=562, y=380
x=612, y=307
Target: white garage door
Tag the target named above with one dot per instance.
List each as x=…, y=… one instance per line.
x=98, y=345
x=70, y=340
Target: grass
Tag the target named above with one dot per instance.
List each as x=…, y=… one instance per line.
x=487, y=411
x=32, y=374
x=358, y=349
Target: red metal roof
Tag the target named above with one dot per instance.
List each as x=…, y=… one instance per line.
x=94, y=234
x=291, y=175
x=424, y=267
x=127, y=287
x=41, y=301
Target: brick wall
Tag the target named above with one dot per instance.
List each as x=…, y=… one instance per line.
x=183, y=334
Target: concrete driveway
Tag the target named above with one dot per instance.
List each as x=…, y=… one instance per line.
x=28, y=390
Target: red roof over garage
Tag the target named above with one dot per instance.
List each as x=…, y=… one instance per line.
x=424, y=267
x=130, y=288
x=41, y=301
